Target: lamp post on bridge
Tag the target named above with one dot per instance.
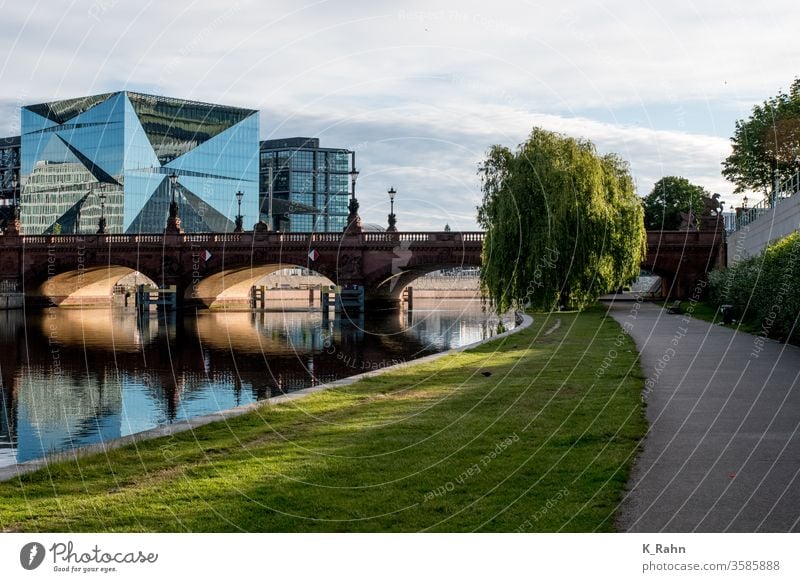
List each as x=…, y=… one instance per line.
x=392, y=217
x=101, y=223
x=78, y=209
x=239, y=217
x=14, y=194
x=174, y=221
x=14, y=227
x=353, y=219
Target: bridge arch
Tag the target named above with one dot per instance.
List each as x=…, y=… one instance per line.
x=392, y=285
x=232, y=286
x=385, y=285
x=78, y=285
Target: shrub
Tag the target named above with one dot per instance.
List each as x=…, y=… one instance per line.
x=765, y=289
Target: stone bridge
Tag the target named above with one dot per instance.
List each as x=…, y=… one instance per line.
x=683, y=258
x=213, y=270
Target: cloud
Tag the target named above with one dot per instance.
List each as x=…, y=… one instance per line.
x=424, y=87
x=431, y=155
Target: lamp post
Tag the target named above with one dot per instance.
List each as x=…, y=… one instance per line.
x=101, y=223
x=14, y=227
x=745, y=200
x=270, y=222
x=392, y=217
x=353, y=220
x=174, y=221
x=78, y=209
x=173, y=179
x=239, y=217
x=14, y=193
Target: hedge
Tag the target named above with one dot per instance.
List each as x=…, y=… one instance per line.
x=764, y=290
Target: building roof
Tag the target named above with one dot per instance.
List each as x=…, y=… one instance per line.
x=290, y=143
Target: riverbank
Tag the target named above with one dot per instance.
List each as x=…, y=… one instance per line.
x=532, y=432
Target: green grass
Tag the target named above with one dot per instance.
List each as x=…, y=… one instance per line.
x=420, y=448
x=707, y=311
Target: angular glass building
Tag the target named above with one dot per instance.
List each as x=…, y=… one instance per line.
x=114, y=153
x=310, y=185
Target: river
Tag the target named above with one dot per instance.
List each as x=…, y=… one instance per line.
x=73, y=377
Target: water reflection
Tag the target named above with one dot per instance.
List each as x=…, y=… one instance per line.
x=76, y=377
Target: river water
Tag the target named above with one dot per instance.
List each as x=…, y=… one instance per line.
x=73, y=377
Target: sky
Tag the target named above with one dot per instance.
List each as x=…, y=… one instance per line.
x=421, y=89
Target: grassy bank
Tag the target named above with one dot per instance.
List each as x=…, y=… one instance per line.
x=543, y=443
x=707, y=311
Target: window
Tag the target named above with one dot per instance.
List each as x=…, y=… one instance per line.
x=338, y=182
x=303, y=160
x=302, y=182
x=321, y=182
x=322, y=162
x=339, y=161
x=301, y=222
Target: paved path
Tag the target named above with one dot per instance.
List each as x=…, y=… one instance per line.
x=723, y=449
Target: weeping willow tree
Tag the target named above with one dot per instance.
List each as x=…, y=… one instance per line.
x=563, y=224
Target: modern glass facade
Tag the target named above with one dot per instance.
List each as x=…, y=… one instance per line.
x=121, y=148
x=9, y=169
x=311, y=184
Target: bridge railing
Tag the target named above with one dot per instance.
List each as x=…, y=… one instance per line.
x=783, y=192
x=245, y=237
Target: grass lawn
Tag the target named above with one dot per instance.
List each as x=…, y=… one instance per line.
x=707, y=311
x=544, y=443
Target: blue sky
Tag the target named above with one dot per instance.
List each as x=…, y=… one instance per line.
x=420, y=90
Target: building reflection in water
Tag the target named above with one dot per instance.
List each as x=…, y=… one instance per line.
x=73, y=377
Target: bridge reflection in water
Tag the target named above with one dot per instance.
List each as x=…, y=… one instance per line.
x=76, y=377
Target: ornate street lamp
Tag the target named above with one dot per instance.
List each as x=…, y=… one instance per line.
x=173, y=179
x=78, y=209
x=174, y=221
x=14, y=226
x=353, y=220
x=392, y=217
x=14, y=192
x=239, y=217
x=101, y=223
x=745, y=200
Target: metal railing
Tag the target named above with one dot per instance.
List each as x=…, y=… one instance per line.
x=783, y=192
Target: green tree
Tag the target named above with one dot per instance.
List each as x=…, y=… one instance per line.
x=563, y=224
x=766, y=143
x=671, y=196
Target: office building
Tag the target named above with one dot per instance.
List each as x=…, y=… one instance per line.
x=113, y=154
x=310, y=185
x=9, y=174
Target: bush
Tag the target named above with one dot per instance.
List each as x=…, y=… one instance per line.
x=765, y=289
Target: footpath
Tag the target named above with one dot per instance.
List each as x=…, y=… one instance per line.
x=723, y=448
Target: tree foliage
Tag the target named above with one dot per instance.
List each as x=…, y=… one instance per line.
x=563, y=224
x=765, y=143
x=671, y=196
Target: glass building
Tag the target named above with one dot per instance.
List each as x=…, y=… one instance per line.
x=115, y=152
x=310, y=185
x=9, y=170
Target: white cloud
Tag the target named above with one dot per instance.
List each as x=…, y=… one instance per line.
x=424, y=86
